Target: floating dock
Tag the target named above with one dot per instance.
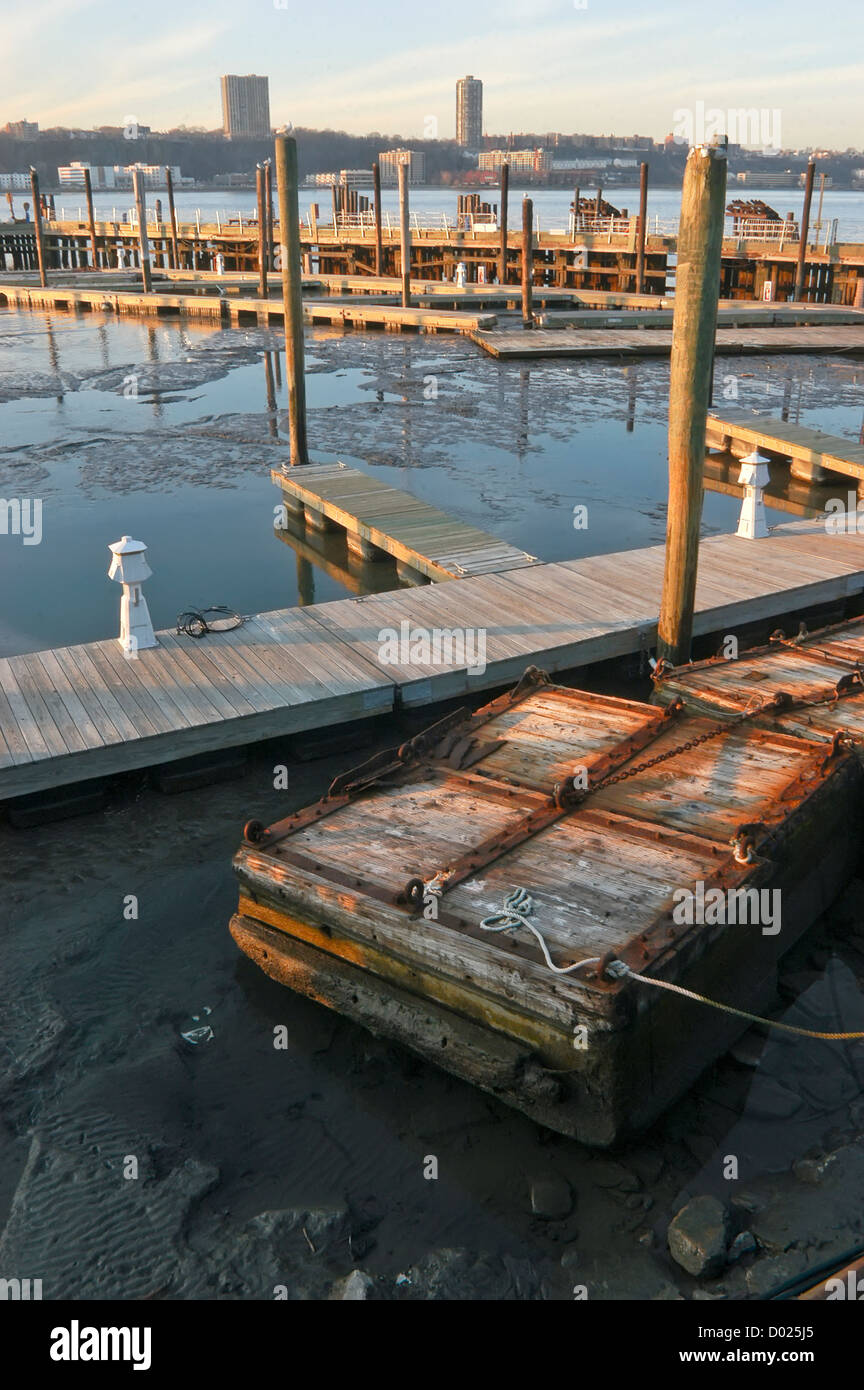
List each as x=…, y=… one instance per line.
x=485, y=894
x=81, y=712
x=646, y=341
x=812, y=454
x=378, y=519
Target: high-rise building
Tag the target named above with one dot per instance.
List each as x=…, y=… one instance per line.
x=389, y=160
x=469, y=112
x=245, y=106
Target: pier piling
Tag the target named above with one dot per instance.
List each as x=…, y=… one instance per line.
x=172, y=213
x=505, y=198
x=527, y=262
x=289, y=239
x=91, y=220
x=803, y=231
x=405, y=236
x=37, y=223
x=376, y=193
x=143, y=243
x=696, y=294
x=641, y=226
x=261, y=192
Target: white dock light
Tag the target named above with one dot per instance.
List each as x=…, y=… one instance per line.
x=130, y=568
x=754, y=476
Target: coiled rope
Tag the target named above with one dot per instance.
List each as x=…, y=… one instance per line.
x=519, y=905
x=194, y=622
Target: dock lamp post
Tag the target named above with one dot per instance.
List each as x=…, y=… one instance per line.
x=130, y=568
x=754, y=477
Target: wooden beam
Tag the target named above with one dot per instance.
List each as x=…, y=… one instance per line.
x=143, y=243
x=641, y=228
x=527, y=262
x=261, y=193
x=289, y=238
x=405, y=235
x=505, y=200
x=379, y=246
x=37, y=223
x=697, y=282
x=804, y=230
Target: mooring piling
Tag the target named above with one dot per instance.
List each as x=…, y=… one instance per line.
x=261, y=192
x=505, y=199
x=143, y=243
x=405, y=235
x=641, y=227
x=803, y=230
x=37, y=223
x=292, y=302
x=376, y=194
x=527, y=262
x=91, y=220
x=172, y=213
x=697, y=286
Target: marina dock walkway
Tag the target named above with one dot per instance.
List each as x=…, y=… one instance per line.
x=811, y=452
x=377, y=517
x=644, y=340
x=86, y=711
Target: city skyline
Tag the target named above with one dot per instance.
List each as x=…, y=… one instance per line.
x=545, y=65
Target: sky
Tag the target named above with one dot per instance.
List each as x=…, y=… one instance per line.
x=608, y=66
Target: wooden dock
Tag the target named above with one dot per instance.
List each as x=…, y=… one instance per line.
x=813, y=454
x=377, y=518
x=238, y=309
x=82, y=712
x=647, y=341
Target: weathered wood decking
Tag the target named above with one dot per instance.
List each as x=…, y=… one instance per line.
x=644, y=341
x=81, y=712
x=235, y=308
x=812, y=453
x=376, y=516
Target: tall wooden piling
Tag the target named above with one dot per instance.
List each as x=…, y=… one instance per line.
x=641, y=228
x=405, y=235
x=143, y=243
x=37, y=223
x=261, y=192
x=804, y=230
x=697, y=289
x=379, y=243
x=598, y=200
x=91, y=219
x=268, y=191
x=577, y=198
x=292, y=301
x=335, y=209
x=527, y=263
x=172, y=213
x=505, y=199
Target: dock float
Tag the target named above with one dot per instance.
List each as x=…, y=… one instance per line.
x=813, y=455
x=81, y=712
x=645, y=341
x=238, y=309
x=377, y=519
x=502, y=894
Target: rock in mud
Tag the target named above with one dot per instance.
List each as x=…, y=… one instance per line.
x=551, y=1198
x=698, y=1237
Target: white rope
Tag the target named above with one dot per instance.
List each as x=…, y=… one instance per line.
x=518, y=905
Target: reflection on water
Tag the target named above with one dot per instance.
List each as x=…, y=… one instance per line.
x=169, y=431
